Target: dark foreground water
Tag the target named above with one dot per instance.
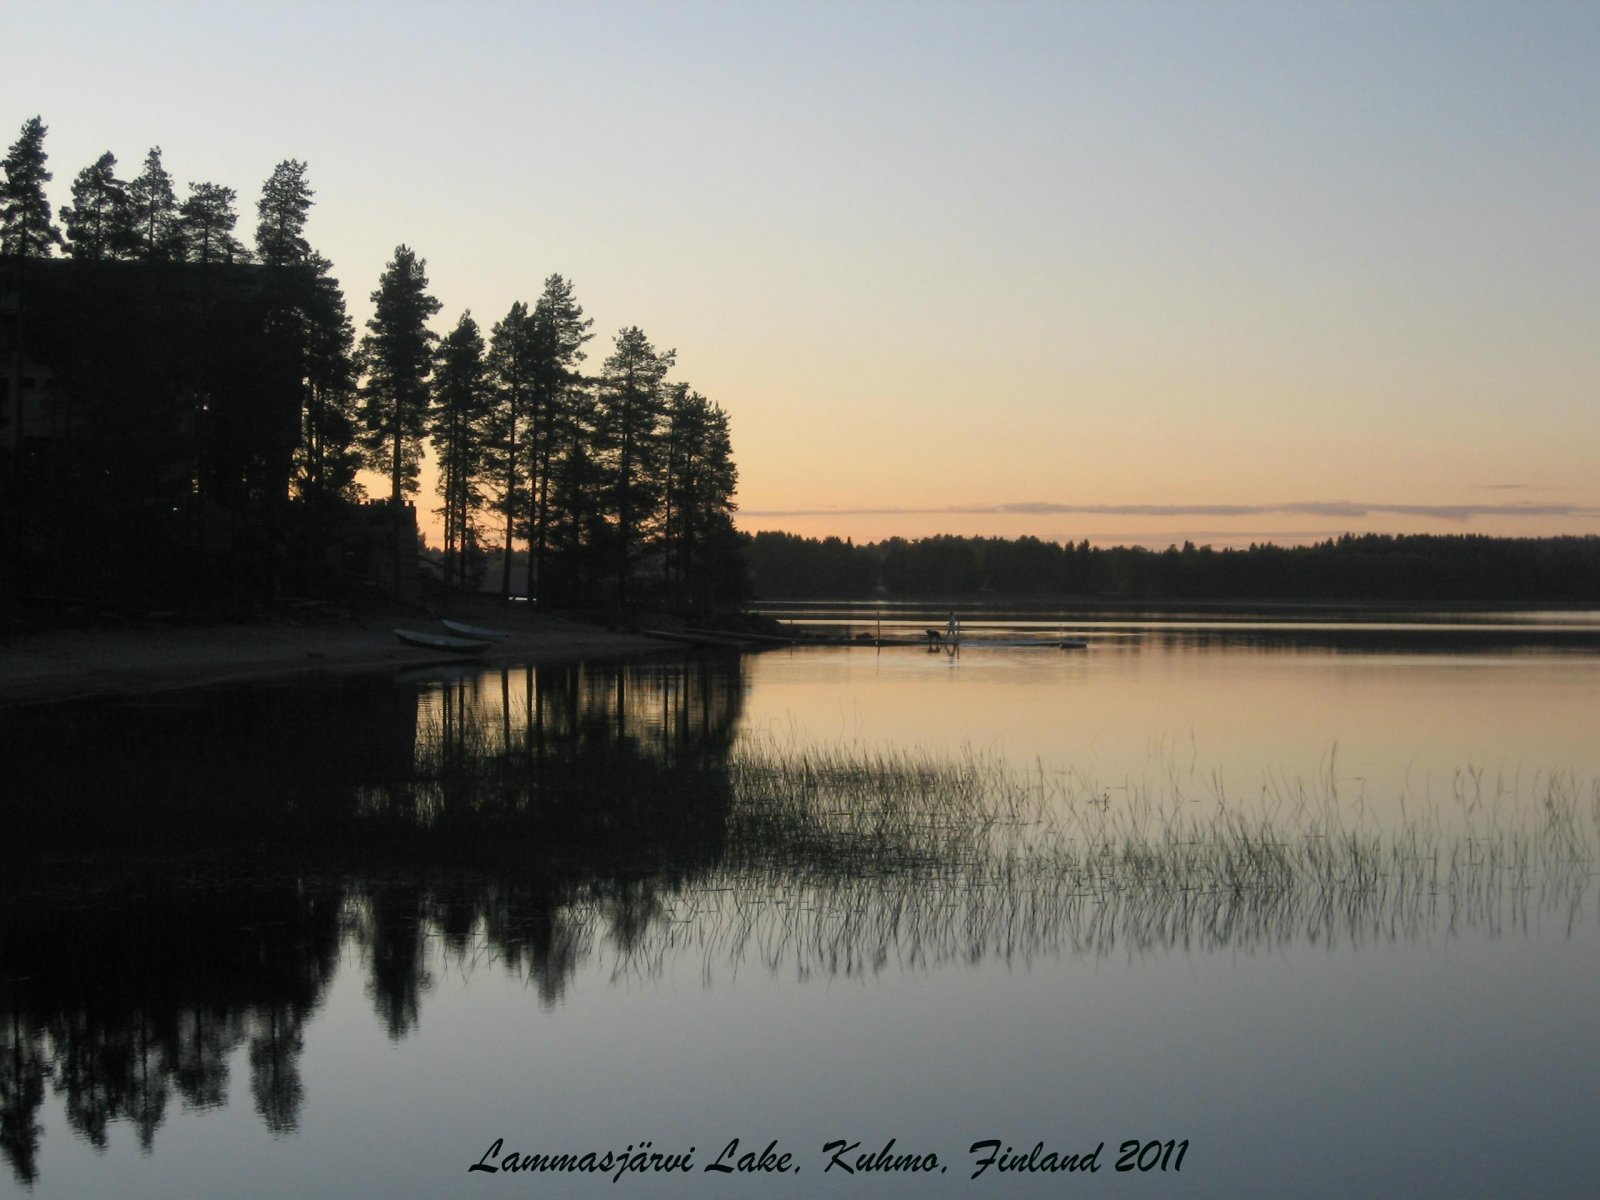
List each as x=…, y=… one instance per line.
x=1302, y=909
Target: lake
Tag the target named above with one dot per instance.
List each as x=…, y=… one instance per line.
x=1218, y=905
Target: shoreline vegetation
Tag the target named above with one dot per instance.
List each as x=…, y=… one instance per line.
x=184, y=419
x=1355, y=570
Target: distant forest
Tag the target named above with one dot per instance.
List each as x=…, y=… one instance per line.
x=185, y=414
x=1353, y=568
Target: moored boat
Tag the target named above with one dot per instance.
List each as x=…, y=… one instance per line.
x=439, y=641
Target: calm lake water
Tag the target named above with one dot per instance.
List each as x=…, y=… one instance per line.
x=1261, y=907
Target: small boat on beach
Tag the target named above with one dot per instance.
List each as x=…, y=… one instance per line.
x=474, y=631
x=439, y=641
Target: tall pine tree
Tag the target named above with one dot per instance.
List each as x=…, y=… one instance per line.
x=153, y=207
x=631, y=404
x=281, y=212
x=26, y=234
x=698, y=487
x=461, y=399
x=308, y=308
x=578, y=531
x=326, y=462
x=396, y=356
x=559, y=331
x=26, y=230
x=512, y=354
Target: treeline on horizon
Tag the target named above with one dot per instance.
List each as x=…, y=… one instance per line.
x=618, y=484
x=1354, y=568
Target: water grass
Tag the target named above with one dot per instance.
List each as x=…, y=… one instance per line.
x=923, y=857
x=849, y=861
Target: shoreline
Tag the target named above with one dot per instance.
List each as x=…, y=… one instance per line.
x=76, y=664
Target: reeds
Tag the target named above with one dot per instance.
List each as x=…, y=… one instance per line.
x=846, y=861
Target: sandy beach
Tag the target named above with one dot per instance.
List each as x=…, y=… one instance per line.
x=69, y=664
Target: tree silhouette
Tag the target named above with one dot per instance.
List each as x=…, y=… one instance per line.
x=631, y=405
x=26, y=230
x=327, y=460
x=206, y=220
x=698, y=486
x=1414, y=568
x=397, y=356
x=587, y=472
x=310, y=310
x=461, y=401
x=285, y=201
x=578, y=532
x=512, y=351
x=560, y=331
x=153, y=206
x=98, y=222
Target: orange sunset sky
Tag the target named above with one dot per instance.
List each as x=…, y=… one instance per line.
x=1124, y=272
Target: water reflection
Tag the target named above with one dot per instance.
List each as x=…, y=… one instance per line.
x=188, y=875
x=182, y=873
x=128, y=999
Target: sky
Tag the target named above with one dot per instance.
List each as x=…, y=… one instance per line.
x=1127, y=272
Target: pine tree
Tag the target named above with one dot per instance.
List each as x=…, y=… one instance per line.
x=397, y=356
x=512, y=352
x=206, y=221
x=461, y=398
x=98, y=222
x=153, y=207
x=285, y=201
x=26, y=230
x=579, y=535
x=326, y=461
x=26, y=234
x=700, y=479
x=560, y=331
x=631, y=405
x=309, y=308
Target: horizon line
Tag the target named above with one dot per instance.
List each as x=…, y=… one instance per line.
x=1455, y=513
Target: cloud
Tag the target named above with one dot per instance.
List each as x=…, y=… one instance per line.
x=1335, y=509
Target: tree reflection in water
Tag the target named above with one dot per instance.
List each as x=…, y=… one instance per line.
x=186, y=872
x=181, y=872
